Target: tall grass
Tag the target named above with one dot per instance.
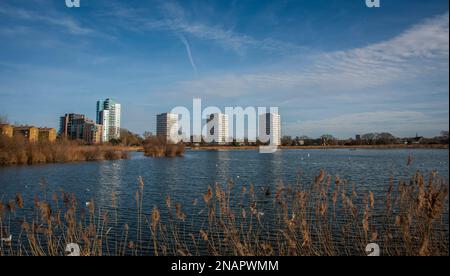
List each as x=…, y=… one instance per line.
x=155, y=146
x=329, y=217
x=19, y=151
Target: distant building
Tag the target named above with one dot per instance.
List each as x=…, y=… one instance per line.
x=167, y=126
x=92, y=132
x=217, y=128
x=30, y=133
x=6, y=130
x=418, y=139
x=47, y=135
x=79, y=127
x=358, y=138
x=103, y=120
x=270, y=128
x=71, y=126
x=108, y=115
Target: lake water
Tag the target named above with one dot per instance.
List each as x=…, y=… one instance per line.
x=187, y=178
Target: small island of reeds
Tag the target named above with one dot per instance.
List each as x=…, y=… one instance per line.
x=155, y=146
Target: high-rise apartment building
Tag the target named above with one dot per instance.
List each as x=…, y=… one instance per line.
x=217, y=128
x=71, y=126
x=92, y=132
x=103, y=120
x=270, y=128
x=108, y=115
x=167, y=126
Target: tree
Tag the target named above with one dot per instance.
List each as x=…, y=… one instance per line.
x=115, y=141
x=385, y=138
x=327, y=139
x=296, y=141
x=286, y=141
x=369, y=138
x=3, y=119
x=147, y=134
x=127, y=138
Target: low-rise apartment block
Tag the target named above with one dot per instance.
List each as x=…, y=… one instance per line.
x=47, y=134
x=6, y=130
x=92, y=132
x=30, y=133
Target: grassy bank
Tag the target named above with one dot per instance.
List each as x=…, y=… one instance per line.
x=326, y=217
x=18, y=151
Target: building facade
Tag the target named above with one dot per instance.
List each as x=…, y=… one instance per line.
x=167, y=126
x=92, y=132
x=6, y=130
x=47, y=134
x=103, y=120
x=217, y=128
x=270, y=128
x=71, y=126
x=30, y=133
x=79, y=127
x=108, y=115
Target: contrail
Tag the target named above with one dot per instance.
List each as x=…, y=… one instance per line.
x=188, y=50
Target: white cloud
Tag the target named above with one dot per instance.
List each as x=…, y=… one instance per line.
x=418, y=52
x=413, y=57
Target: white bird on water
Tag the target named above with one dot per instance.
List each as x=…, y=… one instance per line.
x=73, y=249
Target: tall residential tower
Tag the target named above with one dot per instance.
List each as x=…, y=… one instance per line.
x=108, y=115
x=270, y=128
x=167, y=126
x=217, y=128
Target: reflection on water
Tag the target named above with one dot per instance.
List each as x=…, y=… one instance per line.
x=109, y=181
x=187, y=178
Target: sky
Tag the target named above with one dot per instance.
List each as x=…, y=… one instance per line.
x=330, y=66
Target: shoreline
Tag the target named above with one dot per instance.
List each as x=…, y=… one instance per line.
x=85, y=149
x=379, y=147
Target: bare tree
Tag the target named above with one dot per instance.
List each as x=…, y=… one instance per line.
x=147, y=134
x=3, y=119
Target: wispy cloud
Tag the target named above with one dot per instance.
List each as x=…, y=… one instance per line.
x=338, y=78
x=14, y=30
x=175, y=20
x=54, y=19
x=420, y=51
x=189, y=53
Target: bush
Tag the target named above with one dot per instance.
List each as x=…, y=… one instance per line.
x=158, y=147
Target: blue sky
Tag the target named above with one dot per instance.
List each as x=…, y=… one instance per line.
x=331, y=66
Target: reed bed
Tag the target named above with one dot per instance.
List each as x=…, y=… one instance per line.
x=19, y=151
x=155, y=146
x=327, y=217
